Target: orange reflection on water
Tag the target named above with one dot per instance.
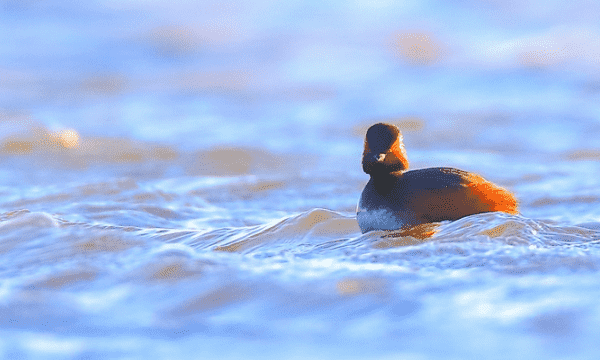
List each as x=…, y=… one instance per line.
x=67, y=148
x=68, y=138
x=17, y=146
x=418, y=48
x=40, y=139
x=354, y=286
x=413, y=236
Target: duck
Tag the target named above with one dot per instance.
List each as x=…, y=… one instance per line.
x=398, y=199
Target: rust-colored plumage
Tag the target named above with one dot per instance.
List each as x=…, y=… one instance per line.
x=398, y=199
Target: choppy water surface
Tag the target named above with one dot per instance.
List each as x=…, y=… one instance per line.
x=139, y=262
x=179, y=180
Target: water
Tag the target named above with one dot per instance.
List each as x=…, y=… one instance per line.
x=181, y=181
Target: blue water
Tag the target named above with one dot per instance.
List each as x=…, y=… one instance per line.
x=179, y=180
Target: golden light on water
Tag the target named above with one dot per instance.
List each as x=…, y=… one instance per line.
x=68, y=138
x=17, y=147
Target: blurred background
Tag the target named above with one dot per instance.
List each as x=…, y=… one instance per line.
x=159, y=78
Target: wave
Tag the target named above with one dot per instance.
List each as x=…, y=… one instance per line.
x=496, y=240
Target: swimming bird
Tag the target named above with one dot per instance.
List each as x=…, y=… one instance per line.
x=395, y=198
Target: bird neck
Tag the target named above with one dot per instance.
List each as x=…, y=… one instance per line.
x=384, y=182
